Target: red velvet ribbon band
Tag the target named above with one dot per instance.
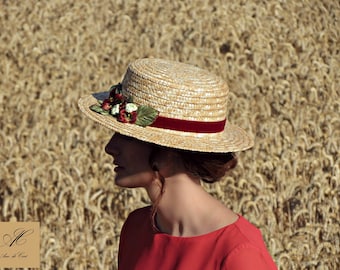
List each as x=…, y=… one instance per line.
x=188, y=126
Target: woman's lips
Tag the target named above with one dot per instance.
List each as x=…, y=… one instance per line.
x=118, y=168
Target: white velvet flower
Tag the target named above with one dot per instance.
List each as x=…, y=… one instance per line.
x=115, y=109
x=131, y=107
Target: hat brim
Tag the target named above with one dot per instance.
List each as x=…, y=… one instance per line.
x=231, y=139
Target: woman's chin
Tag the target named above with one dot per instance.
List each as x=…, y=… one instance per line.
x=122, y=181
x=125, y=184
x=124, y=178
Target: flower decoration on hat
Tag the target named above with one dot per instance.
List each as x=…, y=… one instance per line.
x=123, y=108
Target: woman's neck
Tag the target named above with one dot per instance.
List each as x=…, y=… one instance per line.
x=186, y=209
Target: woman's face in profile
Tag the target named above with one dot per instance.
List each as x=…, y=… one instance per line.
x=131, y=158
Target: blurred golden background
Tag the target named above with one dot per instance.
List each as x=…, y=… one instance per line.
x=282, y=62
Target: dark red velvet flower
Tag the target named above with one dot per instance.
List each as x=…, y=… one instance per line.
x=118, y=97
x=122, y=116
x=106, y=105
x=133, y=117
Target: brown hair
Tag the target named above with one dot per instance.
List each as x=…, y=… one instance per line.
x=209, y=167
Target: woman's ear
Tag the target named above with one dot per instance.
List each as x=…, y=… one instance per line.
x=166, y=161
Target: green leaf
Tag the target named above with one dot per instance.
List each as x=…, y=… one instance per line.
x=98, y=109
x=146, y=115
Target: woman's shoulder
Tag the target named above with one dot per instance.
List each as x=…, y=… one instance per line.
x=247, y=241
x=138, y=223
x=248, y=230
x=139, y=214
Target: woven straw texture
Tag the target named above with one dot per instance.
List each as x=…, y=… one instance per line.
x=281, y=62
x=177, y=91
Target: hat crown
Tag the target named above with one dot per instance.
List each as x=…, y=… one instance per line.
x=176, y=90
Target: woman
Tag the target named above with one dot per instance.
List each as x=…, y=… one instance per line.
x=171, y=134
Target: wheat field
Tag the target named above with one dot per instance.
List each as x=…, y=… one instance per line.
x=281, y=60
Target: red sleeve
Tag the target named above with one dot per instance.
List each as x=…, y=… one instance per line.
x=248, y=258
x=121, y=242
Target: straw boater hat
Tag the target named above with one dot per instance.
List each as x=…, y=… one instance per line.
x=170, y=104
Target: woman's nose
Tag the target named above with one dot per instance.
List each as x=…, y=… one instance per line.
x=111, y=147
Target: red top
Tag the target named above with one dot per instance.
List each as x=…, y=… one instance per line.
x=237, y=246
